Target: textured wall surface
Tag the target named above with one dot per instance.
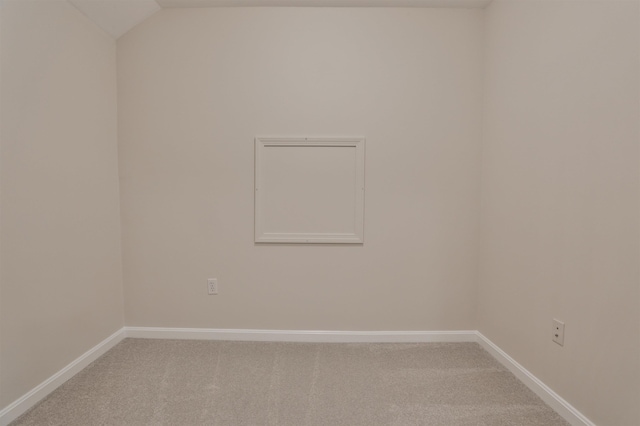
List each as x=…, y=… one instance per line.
x=560, y=236
x=195, y=86
x=61, y=274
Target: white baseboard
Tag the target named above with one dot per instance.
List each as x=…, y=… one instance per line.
x=555, y=401
x=31, y=398
x=301, y=335
x=562, y=407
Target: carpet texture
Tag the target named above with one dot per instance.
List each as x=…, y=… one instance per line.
x=182, y=382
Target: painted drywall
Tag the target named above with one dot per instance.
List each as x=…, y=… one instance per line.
x=560, y=235
x=195, y=86
x=61, y=276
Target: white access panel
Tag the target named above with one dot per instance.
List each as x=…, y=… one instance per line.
x=309, y=190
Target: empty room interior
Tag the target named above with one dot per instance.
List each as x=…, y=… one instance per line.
x=413, y=182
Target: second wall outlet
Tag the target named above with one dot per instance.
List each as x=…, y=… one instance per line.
x=558, y=332
x=212, y=286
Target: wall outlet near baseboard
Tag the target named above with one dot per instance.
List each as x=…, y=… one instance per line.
x=212, y=286
x=558, y=332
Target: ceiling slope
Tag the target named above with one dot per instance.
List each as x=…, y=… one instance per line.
x=327, y=3
x=116, y=17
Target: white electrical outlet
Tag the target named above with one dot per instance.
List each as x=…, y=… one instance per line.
x=558, y=332
x=212, y=286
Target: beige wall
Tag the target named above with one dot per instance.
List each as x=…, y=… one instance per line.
x=560, y=235
x=194, y=88
x=61, y=279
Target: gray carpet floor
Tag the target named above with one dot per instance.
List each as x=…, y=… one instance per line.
x=182, y=382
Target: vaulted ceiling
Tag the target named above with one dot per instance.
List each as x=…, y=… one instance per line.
x=116, y=17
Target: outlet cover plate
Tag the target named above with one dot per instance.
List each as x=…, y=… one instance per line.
x=212, y=286
x=558, y=332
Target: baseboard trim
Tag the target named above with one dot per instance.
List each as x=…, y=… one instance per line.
x=555, y=401
x=318, y=336
x=31, y=398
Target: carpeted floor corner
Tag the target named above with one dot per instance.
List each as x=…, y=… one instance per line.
x=183, y=382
